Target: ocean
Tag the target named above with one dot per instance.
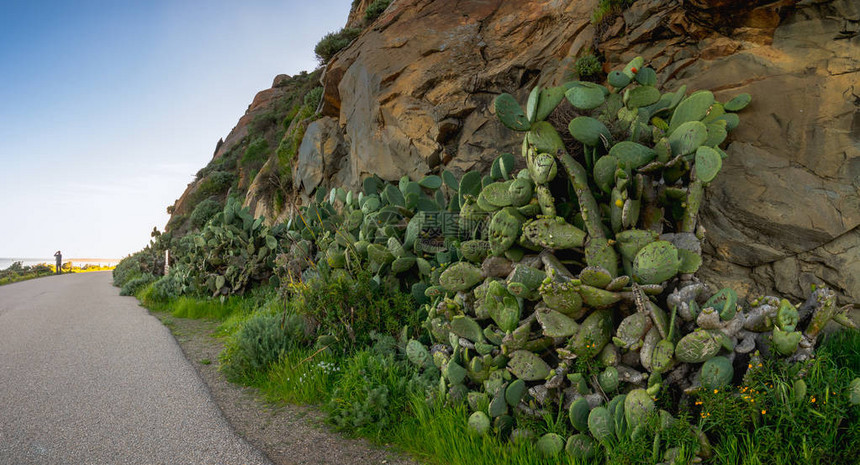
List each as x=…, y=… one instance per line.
x=7, y=262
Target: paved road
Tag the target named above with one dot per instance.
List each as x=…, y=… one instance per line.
x=89, y=377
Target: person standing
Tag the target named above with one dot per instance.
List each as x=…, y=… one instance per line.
x=59, y=257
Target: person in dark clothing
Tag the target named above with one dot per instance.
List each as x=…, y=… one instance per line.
x=59, y=257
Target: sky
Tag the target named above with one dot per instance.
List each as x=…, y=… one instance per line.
x=109, y=108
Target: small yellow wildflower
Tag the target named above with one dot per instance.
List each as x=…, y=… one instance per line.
x=812, y=400
x=763, y=411
x=716, y=391
x=619, y=203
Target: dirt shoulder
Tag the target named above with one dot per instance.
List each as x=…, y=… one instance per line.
x=287, y=434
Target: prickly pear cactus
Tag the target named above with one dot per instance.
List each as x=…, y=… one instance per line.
x=551, y=288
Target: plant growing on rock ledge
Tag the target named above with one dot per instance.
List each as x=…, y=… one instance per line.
x=334, y=42
x=375, y=9
x=587, y=67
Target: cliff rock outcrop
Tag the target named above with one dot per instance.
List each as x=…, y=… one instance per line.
x=414, y=94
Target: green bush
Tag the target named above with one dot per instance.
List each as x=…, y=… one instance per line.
x=259, y=343
x=204, y=211
x=137, y=283
x=587, y=66
x=350, y=309
x=127, y=269
x=216, y=182
x=256, y=152
x=312, y=99
x=334, y=42
x=375, y=9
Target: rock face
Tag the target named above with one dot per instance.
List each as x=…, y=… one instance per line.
x=413, y=94
x=414, y=91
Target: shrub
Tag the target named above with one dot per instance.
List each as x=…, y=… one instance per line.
x=204, y=211
x=216, y=182
x=137, y=283
x=350, y=309
x=127, y=269
x=334, y=42
x=259, y=343
x=312, y=99
x=587, y=66
x=256, y=152
x=375, y=9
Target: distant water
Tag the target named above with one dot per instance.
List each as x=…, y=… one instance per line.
x=7, y=262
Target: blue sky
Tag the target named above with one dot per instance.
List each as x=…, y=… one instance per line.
x=109, y=108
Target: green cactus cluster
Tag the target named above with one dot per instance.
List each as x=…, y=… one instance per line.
x=232, y=252
x=565, y=279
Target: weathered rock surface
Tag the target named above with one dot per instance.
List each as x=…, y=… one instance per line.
x=414, y=91
x=413, y=94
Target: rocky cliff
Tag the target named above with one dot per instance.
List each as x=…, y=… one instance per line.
x=413, y=94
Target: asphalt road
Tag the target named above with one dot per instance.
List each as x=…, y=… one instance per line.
x=89, y=377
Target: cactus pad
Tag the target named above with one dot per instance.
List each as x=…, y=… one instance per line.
x=544, y=138
x=618, y=79
x=708, y=164
x=550, y=445
x=693, y=108
x=578, y=414
x=725, y=302
x=698, y=346
x=588, y=130
x=786, y=316
x=466, y=327
x=510, y=113
x=717, y=372
x=738, y=103
x=562, y=296
x=585, y=98
x=594, y=333
x=785, y=342
x=655, y=263
x=642, y=96
x=528, y=366
x=638, y=405
x=553, y=233
x=688, y=137
x=601, y=425
x=604, y=171
x=505, y=228
x=555, y=324
x=514, y=392
x=460, y=276
x=479, y=423
x=595, y=276
x=543, y=168
x=632, y=155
